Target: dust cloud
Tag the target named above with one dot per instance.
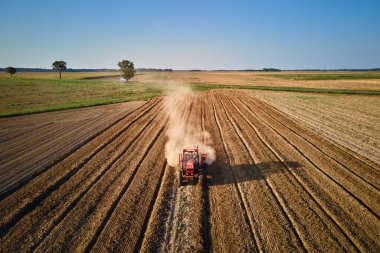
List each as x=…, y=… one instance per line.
x=181, y=132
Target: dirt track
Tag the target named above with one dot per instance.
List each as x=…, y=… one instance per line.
x=276, y=186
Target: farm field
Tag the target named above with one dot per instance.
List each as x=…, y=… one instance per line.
x=33, y=92
x=318, y=80
x=30, y=94
x=65, y=75
x=31, y=143
x=353, y=121
x=276, y=184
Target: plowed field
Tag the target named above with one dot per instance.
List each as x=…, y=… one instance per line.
x=276, y=185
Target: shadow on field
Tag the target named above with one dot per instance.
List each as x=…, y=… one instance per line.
x=221, y=173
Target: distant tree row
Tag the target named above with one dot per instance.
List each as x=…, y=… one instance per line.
x=126, y=68
x=264, y=69
x=57, y=65
x=154, y=70
x=271, y=70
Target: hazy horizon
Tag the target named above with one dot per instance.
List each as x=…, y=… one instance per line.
x=210, y=35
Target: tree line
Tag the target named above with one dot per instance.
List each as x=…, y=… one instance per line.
x=126, y=68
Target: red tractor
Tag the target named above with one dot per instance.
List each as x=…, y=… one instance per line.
x=191, y=165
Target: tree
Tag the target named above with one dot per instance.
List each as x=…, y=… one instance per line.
x=127, y=69
x=59, y=66
x=11, y=70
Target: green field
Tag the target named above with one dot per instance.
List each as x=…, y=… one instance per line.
x=28, y=95
x=40, y=92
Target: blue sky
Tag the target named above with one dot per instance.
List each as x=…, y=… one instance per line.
x=191, y=34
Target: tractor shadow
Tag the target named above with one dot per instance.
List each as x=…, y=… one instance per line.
x=222, y=174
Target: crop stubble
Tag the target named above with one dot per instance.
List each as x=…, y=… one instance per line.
x=276, y=186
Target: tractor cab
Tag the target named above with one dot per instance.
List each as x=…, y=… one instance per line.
x=191, y=164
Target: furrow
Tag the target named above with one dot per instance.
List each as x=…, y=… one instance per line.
x=204, y=191
x=29, y=203
x=156, y=236
x=190, y=195
x=316, y=146
x=80, y=226
x=25, y=156
x=279, y=200
x=230, y=231
x=249, y=220
x=338, y=124
x=71, y=205
x=18, y=136
x=75, y=148
x=108, y=215
x=298, y=184
x=152, y=206
x=158, y=233
x=363, y=160
x=354, y=232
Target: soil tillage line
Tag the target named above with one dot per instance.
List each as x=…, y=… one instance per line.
x=170, y=236
x=28, y=153
x=252, y=228
x=161, y=216
x=322, y=151
x=354, y=231
x=206, y=225
x=194, y=193
x=42, y=149
x=125, y=188
x=275, y=194
x=333, y=142
x=25, y=132
x=155, y=235
x=169, y=227
x=36, y=138
x=338, y=124
x=312, y=144
x=339, y=147
x=90, y=186
x=38, y=223
x=230, y=231
x=153, y=202
x=80, y=226
x=9, y=181
x=60, y=159
x=182, y=191
x=30, y=136
x=282, y=161
x=332, y=179
x=103, y=231
x=362, y=146
x=329, y=175
x=38, y=199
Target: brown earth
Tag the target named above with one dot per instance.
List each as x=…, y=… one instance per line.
x=31, y=143
x=253, y=78
x=352, y=121
x=276, y=185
